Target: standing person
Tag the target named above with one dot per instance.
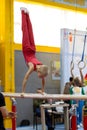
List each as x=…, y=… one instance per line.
x=29, y=50
x=76, y=89
x=67, y=91
x=71, y=79
x=4, y=113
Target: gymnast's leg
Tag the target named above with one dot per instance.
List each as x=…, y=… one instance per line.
x=30, y=32
x=25, y=37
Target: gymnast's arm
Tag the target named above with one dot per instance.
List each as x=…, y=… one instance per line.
x=30, y=70
x=43, y=84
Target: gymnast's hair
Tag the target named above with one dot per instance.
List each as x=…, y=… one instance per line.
x=44, y=70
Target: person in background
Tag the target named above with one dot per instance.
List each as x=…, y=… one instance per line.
x=4, y=113
x=76, y=89
x=67, y=90
x=71, y=80
x=68, y=85
x=29, y=50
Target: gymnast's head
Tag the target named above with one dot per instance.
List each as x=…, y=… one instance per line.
x=42, y=71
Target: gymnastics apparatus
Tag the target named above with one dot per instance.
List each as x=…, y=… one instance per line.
x=45, y=96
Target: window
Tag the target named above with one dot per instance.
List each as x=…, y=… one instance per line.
x=47, y=22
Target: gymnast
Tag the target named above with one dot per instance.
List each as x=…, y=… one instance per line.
x=29, y=50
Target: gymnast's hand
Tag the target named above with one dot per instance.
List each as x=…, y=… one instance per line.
x=40, y=91
x=22, y=94
x=43, y=93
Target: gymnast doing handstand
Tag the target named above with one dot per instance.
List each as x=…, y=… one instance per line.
x=29, y=50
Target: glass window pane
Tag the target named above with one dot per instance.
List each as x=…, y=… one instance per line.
x=47, y=23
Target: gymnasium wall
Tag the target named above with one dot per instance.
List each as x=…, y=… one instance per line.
x=24, y=106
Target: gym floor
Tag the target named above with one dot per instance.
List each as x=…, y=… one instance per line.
x=58, y=127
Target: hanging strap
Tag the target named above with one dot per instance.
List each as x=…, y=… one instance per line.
x=72, y=63
x=82, y=59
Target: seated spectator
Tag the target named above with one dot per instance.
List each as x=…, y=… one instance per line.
x=37, y=103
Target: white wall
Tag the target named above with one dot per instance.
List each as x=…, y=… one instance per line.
x=47, y=22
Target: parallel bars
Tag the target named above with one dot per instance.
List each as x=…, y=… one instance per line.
x=46, y=96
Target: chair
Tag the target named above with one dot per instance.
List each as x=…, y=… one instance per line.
x=58, y=114
x=58, y=117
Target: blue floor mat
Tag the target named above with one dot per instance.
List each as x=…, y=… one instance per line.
x=57, y=127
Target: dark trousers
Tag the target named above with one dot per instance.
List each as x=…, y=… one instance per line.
x=47, y=117
x=2, y=128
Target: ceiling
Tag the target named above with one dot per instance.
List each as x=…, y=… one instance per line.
x=76, y=3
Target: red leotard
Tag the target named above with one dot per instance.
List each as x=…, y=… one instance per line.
x=28, y=44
